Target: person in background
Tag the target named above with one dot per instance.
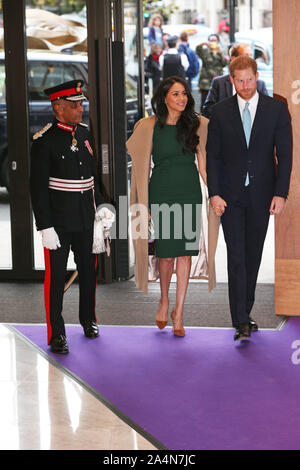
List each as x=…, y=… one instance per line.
x=155, y=33
x=222, y=87
x=172, y=62
x=165, y=37
x=224, y=26
x=213, y=62
x=184, y=48
x=152, y=68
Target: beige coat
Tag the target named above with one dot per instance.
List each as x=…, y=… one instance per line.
x=139, y=147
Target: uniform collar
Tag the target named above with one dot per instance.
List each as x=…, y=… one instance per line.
x=65, y=127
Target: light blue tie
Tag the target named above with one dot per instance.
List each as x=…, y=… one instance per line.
x=247, y=130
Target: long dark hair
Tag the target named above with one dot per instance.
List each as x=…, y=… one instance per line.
x=188, y=123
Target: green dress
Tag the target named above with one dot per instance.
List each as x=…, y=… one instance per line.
x=174, y=196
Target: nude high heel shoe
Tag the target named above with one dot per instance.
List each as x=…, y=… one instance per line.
x=161, y=324
x=180, y=332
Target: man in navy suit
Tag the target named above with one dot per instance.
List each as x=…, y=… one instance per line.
x=246, y=183
x=222, y=88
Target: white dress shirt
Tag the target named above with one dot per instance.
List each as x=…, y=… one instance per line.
x=252, y=105
x=184, y=60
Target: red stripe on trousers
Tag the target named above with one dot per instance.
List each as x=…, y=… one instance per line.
x=96, y=264
x=47, y=284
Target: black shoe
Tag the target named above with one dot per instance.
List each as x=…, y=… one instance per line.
x=91, y=329
x=242, y=332
x=252, y=324
x=59, y=345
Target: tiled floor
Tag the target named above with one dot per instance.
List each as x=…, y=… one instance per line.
x=41, y=408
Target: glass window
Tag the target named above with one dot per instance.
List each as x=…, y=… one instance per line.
x=132, y=71
x=261, y=55
x=57, y=53
x=5, y=220
x=131, y=59
x=2, y=82
x=46, y=74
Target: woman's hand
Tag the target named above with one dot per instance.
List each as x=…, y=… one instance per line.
x=277, y=205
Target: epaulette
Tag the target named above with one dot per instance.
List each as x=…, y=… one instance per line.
x=83, y=124
x=42, y=131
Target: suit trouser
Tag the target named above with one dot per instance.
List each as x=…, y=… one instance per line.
x=55, y=272
x=245, y=229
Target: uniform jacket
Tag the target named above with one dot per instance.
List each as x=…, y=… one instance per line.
x=220, y=89
x=229, y=159
x=51, y=156
x=139, y=146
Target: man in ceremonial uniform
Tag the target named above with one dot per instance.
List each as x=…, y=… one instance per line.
x=65, y=197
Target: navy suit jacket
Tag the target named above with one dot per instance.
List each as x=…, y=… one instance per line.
x=220, y=89
x=229, y=159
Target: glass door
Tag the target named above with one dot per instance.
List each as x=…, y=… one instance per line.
x=5, y=222
x=131, y=80
x=53, y=59
x=134, y=80
x=16, y=221
x=44, y=56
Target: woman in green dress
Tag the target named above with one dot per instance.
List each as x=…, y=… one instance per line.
x=175, y=192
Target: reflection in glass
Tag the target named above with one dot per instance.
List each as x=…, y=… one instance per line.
x=9, y=440
x=131, y=64
x=42, y=371
x=73, y=393
x=57, y=53
x=131, y=74
x=5, y=226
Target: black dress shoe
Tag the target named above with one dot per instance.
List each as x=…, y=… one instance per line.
x=252, y=324
x=59, y=345
x=242, y=332
x=91, y=329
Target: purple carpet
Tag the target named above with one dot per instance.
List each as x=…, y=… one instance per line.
x=202, y=391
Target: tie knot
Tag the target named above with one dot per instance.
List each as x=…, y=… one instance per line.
x=247, y=105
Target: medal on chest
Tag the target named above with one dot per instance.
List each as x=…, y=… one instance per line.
x=67, y=127
x=74, y=147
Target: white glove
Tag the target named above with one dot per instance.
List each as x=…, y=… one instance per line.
x=104, y=218
x=98, y=241
x=107, y=218
x=50, y=239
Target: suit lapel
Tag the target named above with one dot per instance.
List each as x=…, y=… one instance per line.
x=258, y=119
x=236, y=120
